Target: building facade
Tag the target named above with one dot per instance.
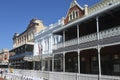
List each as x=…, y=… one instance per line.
x=23, y=45
x=86, y=47
x=43, y=45
x=27, y=36
x=91, y=40
x=4, y=58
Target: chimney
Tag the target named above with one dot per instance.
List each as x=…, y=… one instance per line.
x=86, y=9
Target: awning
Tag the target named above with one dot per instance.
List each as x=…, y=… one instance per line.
x=32, y=58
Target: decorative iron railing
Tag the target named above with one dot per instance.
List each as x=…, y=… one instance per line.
x=91, y=37
x=110, y=32
x=88, y=38
x=71, y=42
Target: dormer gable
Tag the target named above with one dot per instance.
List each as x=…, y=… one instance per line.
x=75, y=11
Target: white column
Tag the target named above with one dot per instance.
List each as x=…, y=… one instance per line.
x=98, y=47
x=86, y=9
x=48, y=64
x=63, y=61
x=33, y=65
x=78, y=32
x=52, y=43
x=97, y=23
x=64, y=38
x=43, y=65
x=72, y=15
x=75, y=14
x=78, y=49
x=53, y=63
x=42, y=60
x=78, y=61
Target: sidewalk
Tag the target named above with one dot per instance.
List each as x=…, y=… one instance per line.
x=1, y=78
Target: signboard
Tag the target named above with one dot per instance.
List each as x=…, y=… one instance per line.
x=32, y=58
x=3, y=63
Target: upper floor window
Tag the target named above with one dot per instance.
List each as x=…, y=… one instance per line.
x=73, y=15
x=77, y=14
x=70, y=17
x=58, y=39
x=46, y=44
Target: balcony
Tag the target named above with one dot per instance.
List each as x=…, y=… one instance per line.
x=21, y=55
x=46, y=75
x=57, y=46
x=88, y=38
x=71, y=42
x=110, y=32
x=91, y=37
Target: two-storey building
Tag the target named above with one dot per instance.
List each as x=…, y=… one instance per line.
x=91, y=39
x=23, y=45
x=4, y=58
x=44, y=41
x=90, y=45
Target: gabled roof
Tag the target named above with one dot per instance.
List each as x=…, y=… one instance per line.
x=96, y=13
x=74, y=3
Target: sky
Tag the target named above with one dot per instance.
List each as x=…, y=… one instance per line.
x=15, y=15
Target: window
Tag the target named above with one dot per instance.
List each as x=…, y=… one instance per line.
x=46, y=65
x=116, y=67
x=59, y=39
x=46, y=44
x=55, y=39
x=70, y=16
x=58, y=62
x=94, y=65
x=76, y=14
x=73, y=15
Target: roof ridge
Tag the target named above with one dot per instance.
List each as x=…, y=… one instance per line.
x=74, y=3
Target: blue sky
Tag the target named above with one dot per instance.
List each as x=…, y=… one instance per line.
x=16, y=14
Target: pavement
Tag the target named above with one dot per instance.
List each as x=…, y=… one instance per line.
x=1, y=78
